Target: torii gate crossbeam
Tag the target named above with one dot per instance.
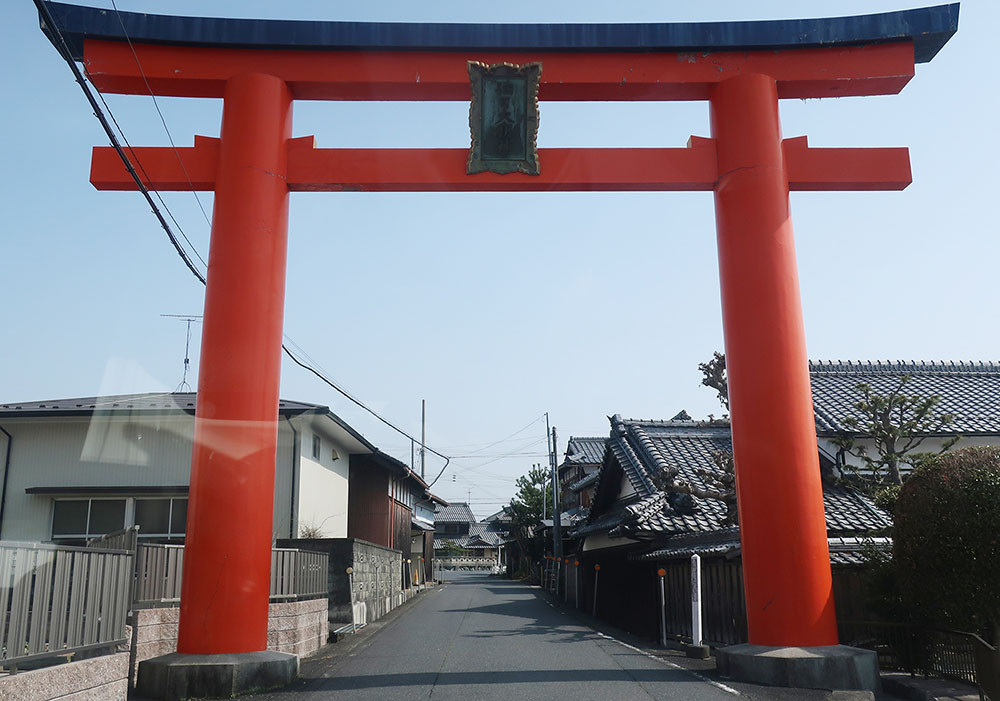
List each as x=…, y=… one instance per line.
x=741, y=68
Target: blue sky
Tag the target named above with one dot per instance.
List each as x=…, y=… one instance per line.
x=496, y=308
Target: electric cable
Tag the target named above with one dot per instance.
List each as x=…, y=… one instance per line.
x=99, y=113
x=163, y=121
x=68, y=57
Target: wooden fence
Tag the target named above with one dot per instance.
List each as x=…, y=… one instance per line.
x=56, y=600
x=724, y=614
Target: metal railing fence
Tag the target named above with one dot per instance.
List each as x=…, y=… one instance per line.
x=57, y=599
x=158, y=570
x=920, y=650
x=126, y=539
x=295, y=574
x=298, y=574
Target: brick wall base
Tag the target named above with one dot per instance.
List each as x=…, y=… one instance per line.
x=103, y=678
x=298, y=627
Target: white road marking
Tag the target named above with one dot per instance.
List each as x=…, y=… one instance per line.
x=718, y=685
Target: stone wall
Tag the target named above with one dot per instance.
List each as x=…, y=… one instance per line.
x=377, y=578
x=298, y=627
x=103, y=678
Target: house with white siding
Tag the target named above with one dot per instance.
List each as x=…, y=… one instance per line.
x=76, y=468
x=969, y=393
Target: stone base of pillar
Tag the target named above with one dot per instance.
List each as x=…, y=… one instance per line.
x=178, y=676
x=834, y=667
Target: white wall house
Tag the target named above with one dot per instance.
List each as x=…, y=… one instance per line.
x=969, y=392
x=75, y=468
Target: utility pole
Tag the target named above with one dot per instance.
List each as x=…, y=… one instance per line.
x=556, y=507
x=537, y=465
x=423, y=435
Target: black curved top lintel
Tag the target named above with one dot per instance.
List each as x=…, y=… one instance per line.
x=929, y=28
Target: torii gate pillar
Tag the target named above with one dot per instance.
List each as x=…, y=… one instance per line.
x=236, y=432
x=767, y=365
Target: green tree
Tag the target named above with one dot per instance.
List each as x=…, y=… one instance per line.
x=947, y=548
x=526, y=508
x=451, y=549
x=897, y=423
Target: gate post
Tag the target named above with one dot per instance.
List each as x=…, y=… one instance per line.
x=226, y=581
x=788, y=584
x=224, y=596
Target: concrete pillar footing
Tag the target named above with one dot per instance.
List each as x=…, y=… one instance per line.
x=178, y=676
x=833, y=667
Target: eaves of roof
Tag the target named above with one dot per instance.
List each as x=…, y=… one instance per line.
x=843, y=551
x=585, y=482
x=150, y=403
x=928, y=28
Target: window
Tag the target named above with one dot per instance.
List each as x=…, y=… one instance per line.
x=161, y=518
x=77, y=519
x=317, y=446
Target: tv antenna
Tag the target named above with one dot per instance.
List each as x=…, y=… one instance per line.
x=189, y=318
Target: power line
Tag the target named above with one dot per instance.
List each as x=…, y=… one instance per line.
x=503, y=440
x=163, y=121
x=68, y=57
x=500, y=455
x=99, y=113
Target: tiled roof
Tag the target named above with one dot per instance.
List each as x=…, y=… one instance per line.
x=606, y=522
x=147, y=402
x=847, y=511
x=480, y=532
x=479, y=537
x=969, y=391
x=843, y=551
x=655, y=515
x=645, y=448
x=585, y=482
x=721, y=542
x=586, y=451
x=454, y=513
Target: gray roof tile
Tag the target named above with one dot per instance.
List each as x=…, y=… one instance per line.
x=454, y=513
x=970, y=391
x=843, y=551
x=585, y=482
x=644, y=448
x=160, y=402
x=585, y=451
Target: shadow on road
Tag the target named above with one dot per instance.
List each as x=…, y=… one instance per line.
x=498, y=677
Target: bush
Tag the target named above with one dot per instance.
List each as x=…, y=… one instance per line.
x=947, y=540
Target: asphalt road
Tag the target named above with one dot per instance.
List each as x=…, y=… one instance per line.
x=479, y=637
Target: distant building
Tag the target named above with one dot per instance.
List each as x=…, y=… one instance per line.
x=578, y=472
x=457, y=525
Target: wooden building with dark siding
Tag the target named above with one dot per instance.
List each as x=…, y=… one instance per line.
x=382, y=503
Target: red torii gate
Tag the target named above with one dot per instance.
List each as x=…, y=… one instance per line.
x=255, y=164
